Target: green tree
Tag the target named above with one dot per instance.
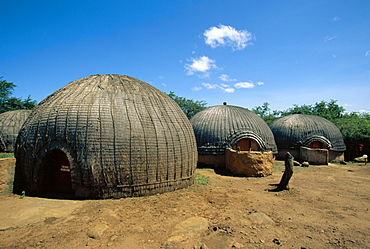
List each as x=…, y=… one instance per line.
x=329, y=110
x=8, y=103
x=265, y=112
x=188, y=106
x=354, y=125
x=6, y=89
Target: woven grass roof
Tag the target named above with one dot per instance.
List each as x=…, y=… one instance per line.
x=122, y=137
x=219, y=127
x=301, y=129
x=10, y=124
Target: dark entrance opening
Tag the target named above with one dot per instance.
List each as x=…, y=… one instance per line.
x=317, y=145
x=56, y=177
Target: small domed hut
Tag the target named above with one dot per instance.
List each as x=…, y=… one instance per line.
x=10, y=124
x=308, y=138
x=235, y=138
x=105, y=136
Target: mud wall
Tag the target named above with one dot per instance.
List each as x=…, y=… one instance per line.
x=303, y=155
x=315, y=156
x=336, y=156
x=249, y=163
x=282, y=152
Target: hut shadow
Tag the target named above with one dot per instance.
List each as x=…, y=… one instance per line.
x=223, y=172
x=218, y=169
x=226, y=172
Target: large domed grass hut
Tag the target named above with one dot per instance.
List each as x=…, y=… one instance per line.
x=10, y=124
x=105, y=136
x=235, y=138
x=308, y=138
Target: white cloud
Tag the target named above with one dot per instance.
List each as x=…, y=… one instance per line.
x=367, y=53
x=228, y=90
x=329, y=38
x=225, y=77
x=223, y=87
x=335, y=19
x=202, y=64
x=209, y=86
x=227, y=36
x=244, y=85
x=196, y=88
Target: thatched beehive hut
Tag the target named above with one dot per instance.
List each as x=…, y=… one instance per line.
x=10, y=124
x=105, y=136
x=308, y=138
x=223, y=130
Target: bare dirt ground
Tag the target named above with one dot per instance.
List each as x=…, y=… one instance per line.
x=326, y=207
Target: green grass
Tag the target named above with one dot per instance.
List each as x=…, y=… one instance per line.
x=6, y=155
x=280, y=167
x=201, y=179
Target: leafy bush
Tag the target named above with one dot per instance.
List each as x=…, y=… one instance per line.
x=6, y=155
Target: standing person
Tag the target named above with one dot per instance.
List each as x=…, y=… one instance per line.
x=365, y=157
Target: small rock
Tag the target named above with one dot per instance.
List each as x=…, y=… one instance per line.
x=237, y=245
x=187, y=229
x=138, y=229
x=97, y=231
x=305, y=164
x=259, y=218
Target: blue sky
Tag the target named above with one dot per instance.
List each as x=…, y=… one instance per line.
x=242, y=52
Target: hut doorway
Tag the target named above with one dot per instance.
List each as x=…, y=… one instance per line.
x=246, y=144
x=56, y=175
x=317, y=145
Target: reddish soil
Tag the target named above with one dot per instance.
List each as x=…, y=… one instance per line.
x=326, y=207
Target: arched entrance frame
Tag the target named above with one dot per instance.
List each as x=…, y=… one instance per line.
x=44, y=153
x=312, y=139
x=236, y=136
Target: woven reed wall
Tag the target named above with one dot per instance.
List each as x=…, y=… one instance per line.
x=122, y=137
x=219, y=127
x=299, y=129
x=10, y=124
